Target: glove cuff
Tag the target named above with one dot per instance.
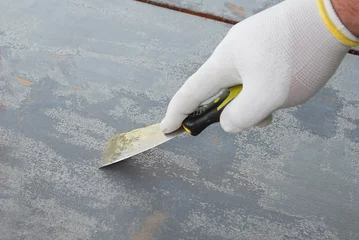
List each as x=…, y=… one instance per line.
x=334, y=25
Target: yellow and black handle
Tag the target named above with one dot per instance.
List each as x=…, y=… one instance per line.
x=207, y=114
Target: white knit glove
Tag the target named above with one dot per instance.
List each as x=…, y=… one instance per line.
x=282, y=56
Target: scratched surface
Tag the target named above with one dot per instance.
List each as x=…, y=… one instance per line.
x=73, y=73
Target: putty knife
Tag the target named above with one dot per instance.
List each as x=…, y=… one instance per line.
x=125, y=145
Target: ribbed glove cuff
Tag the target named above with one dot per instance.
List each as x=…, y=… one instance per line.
x=334, y=25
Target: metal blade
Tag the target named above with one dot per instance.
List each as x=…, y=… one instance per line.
x=125, y=145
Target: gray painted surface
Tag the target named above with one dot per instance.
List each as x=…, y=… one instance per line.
x=75, y=72
x=236, y=10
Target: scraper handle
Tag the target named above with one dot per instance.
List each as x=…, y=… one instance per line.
x=207, y=114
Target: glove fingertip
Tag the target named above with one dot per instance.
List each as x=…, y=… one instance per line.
x=228, y=126
x=169, y=125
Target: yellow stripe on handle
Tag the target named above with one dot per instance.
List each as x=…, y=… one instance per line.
x=209, y=113
x=332, y=28
x=187, y=130
x=233, y=92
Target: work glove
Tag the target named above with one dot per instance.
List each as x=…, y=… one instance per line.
x=282, y=56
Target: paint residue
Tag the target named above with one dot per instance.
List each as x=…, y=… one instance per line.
x=132, y=143
x=116, y=145
x=80, y=131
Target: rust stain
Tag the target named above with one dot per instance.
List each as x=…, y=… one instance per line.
x=188, y=11
x=215, y=140
x=354, y=52
x=211, y=161
x=24, y=82
x=150, y=226
x=2, y=108
x=209, y=16
x=20, y=118
x=77, y=88
x=234, y=8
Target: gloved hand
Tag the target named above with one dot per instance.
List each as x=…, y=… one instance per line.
x=282, y=56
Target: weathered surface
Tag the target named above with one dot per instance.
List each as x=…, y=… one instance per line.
x=73, y=73
x=236, y=10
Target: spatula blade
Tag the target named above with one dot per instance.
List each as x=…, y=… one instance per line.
x=125, y=145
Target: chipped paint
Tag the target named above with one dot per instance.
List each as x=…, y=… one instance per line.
x=293, y=179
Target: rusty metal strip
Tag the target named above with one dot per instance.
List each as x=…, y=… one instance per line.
x=206, y=15
x=188, y=11
x=354, y=52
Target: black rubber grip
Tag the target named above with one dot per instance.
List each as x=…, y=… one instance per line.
x=205, y=115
